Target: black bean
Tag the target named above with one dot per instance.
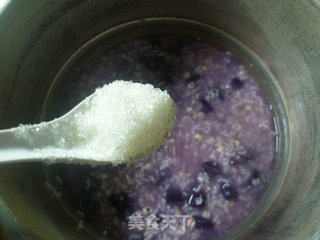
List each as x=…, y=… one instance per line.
x=252, y=181
x=206, y=106
x=201, y=222
x=174, y=196
x=197, y=199
x=236, y=83
x=228, y=192
x=211, y=168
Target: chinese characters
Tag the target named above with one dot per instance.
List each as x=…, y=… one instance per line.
x=152, y=222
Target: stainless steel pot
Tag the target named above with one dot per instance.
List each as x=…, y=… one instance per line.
x=37, y=38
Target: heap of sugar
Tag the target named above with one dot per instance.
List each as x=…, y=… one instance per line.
x=121, y=122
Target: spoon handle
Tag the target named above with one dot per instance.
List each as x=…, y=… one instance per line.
x=14, y=149
x=21, y=143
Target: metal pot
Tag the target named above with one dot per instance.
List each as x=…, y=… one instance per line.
x=38, y=37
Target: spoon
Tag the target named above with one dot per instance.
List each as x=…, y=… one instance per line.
x=122, y=122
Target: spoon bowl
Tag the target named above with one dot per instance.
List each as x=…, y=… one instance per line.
x=121, y=122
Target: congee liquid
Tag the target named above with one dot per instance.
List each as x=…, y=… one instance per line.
x=214, y=167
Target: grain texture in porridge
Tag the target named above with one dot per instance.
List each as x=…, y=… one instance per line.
x=215, y=165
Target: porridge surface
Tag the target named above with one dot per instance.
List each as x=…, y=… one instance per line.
x=214, y=167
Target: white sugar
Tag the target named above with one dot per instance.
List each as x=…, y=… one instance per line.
x=121, y=122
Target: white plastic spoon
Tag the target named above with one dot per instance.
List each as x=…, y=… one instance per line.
x=120, y=122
